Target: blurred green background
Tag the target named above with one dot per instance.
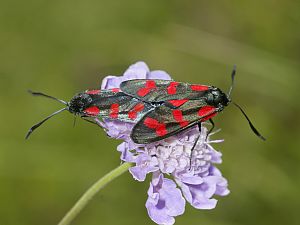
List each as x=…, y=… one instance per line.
x=63, y=47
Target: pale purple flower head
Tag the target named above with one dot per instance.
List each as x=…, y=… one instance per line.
x=195, y=177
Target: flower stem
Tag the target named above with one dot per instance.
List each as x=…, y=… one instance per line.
x=92, y=191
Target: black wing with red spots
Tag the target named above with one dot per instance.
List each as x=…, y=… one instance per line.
x=162, y=90
x=112, y=104
x=163, y=121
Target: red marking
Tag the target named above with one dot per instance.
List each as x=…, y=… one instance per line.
x=208, y=117
x=115, y=90
x=93, y=92
x=177, y=114
x=178, y=103
x=150, y=84
x=199, y=87
x=92, y=111
x=151, y=123
x=137, y=108
x=160, y=128
x=114, y=111
x=207, y=112
x=132, y=115
x=172, y=88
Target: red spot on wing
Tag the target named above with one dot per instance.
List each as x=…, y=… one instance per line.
x=151, y=123
x=132, y=115
x=178, y=103
x=114, y=111
x=115, y=90
x=93, y=92
x=199, y=87
x=150, y=84
x=160, y=128
x=92, y=111
x=207, y=112
x=208, y=117
x=172, y=88
x=137, y=108
x=177, y=115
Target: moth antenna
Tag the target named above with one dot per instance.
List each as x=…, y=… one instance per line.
x=40, y=123
x=47, y=96
x=74, y=121
x=232, y=80
x=251, y=125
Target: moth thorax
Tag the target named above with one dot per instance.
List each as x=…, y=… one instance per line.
x=79, y=102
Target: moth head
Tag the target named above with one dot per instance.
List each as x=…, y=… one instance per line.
x=79, y=102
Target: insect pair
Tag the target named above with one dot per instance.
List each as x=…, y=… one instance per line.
x=158, y=108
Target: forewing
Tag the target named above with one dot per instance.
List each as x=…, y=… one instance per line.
x=162, y=90
x=110, y=104
x=163, y=121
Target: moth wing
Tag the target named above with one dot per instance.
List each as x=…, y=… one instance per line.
x=162, y=90
x=164, y=121
x=108, y=104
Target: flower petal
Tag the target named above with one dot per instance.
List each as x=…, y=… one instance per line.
x=116, y=129
x=110, y=82
x=158, y=74
x=200, y=195
x=196, y=197
x=221, y=188
x=138, y=70
x=143, y=167
x=190, y=178
x=126, y=154
x=164, y=201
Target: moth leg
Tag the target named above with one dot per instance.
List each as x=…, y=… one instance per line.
x=211, y=129
x=199, y=127
x=195, y=143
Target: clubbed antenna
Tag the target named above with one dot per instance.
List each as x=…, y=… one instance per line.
x=40, y=123
x=251, y=125
x=48, y=117
x=74, y=121
x=47, y=96
x=232, y=80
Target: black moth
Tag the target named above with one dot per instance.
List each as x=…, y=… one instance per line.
x=159, y=108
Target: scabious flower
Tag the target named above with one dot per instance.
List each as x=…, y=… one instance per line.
x=195, y=177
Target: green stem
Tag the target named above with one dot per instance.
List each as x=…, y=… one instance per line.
x=92, y=191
